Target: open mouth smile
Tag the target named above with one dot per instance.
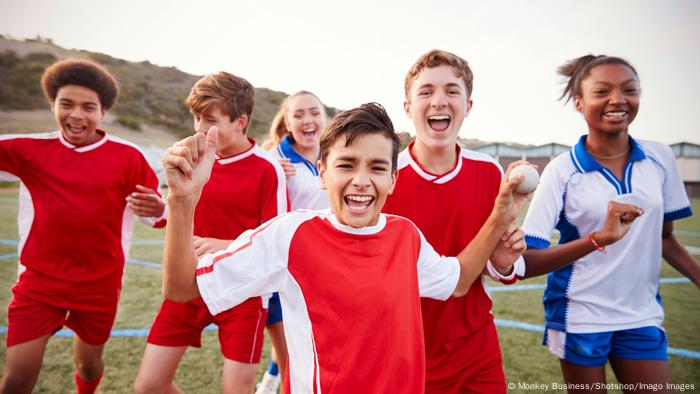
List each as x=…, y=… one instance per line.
x=358, y=203
x=75, y=129
x=439, y=122
x=615, y=116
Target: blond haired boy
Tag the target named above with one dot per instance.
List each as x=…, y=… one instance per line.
x=247, y=187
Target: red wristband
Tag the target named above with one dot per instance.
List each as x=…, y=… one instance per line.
x=594, y=244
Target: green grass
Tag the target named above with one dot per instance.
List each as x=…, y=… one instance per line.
x=525, y=360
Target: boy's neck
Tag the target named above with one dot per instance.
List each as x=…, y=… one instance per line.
x=239, y=146
x=436, y=160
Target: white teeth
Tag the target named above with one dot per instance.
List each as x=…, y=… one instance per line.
x=309, y=130
x=439, y=117
x=360, y=198
x=75, y=129
x=616, y=113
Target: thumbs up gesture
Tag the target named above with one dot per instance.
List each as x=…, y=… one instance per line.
x=188, y=163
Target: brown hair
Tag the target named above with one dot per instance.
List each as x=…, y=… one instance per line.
x=576, y=70
x=84, y=73
x=436, y=58
x=278, y=127
x=234, y=95
x=370, y=118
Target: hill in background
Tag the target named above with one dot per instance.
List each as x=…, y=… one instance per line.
x=151, y=99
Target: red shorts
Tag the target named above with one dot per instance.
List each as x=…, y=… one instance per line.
x=472, y=364
x=240, y=328
x=35, y=313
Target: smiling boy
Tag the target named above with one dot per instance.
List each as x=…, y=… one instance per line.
x=80, y=189
x=247, y=187
x=462, y=351
x=349, y=278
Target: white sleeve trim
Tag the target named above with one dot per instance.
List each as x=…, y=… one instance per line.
x=152, y=221
x=518, y=270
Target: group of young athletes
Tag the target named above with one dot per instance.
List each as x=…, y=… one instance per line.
x=375, y=257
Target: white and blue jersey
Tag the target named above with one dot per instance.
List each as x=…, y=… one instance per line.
x=618, y=290
x=304, y=189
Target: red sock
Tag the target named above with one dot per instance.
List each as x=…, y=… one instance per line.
x=87, y=387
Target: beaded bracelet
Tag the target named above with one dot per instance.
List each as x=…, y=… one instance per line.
x=594, y=244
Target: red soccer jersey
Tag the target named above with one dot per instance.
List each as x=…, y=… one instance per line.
x=449, y=209
x=74, y=225
x=243, y=192
x=350, y=297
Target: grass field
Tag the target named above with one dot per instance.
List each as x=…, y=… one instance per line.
x=525, y=361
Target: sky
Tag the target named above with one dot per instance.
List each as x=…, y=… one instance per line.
x=352, y=52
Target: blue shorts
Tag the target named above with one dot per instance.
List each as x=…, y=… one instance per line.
x=274, y=310
x=594, y=349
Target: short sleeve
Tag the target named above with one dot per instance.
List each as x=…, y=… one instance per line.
x=437, y=275
x=146, y=176
x=273, y=193
x=676, y=204
x=543, y=213
x=255, y=264
x=13, y=153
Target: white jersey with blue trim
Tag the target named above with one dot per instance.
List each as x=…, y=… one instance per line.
x=304, y=189
x=619, y=289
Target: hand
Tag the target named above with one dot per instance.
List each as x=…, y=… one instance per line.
x=508, y=203
x=510, y=247
x=618, y=222
x=287, y=167
x=147, y=203
x=203, y=246
x=188, y=163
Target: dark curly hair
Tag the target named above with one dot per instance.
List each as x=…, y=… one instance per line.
x=84, y=73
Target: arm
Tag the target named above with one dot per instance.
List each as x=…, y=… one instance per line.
x=676, y=255
x=507, y=206
x=187, y=166
x=617, y=223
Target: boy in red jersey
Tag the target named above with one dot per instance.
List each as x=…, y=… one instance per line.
x=80, y=189
x=247, y=187
x=349, y=277
x=462, y=351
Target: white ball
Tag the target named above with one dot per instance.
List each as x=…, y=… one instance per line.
x=532, y=178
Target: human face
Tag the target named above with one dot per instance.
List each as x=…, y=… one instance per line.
x=78, y=112
x=609, y=98
x=438, y=102
x=232, y=140
x=358, y=178
x=305, y=120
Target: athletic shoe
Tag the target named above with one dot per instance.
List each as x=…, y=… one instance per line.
x=268, y=384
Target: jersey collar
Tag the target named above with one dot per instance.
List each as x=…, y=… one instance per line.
x=435, y=178
x=286, y=150
x=584, y=162
x=370, y=230
x=84, y=148
x=239, y=156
